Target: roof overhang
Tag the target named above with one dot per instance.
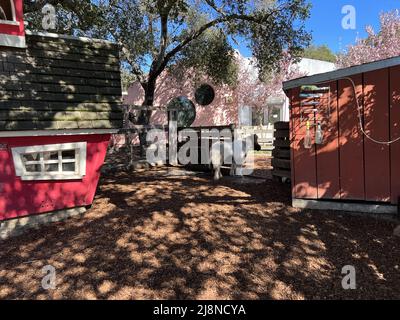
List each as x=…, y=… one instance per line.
x=276, y=100
x=67, y=37
x=48, y=133
x=341, y=73
x=8, y=40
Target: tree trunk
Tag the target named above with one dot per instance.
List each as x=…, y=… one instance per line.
x=144, y=117
x=129, y=136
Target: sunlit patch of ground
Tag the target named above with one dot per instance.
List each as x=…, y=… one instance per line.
x=154, y=235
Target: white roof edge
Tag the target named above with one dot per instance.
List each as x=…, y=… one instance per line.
x=68, y=132
x=64, y=36
x=319, y=60
x=341, y=73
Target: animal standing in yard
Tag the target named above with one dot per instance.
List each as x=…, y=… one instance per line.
x=234, y=153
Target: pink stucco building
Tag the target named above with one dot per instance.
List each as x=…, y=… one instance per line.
x=230, y=105
x=221, y=111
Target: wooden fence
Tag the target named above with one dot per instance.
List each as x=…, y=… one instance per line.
x=281, y=153
x=265, y=135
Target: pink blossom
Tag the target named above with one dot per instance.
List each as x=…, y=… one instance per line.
x=378, y=45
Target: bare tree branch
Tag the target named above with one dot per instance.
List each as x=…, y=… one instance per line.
x=212, y=4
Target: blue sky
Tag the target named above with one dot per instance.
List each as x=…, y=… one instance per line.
x=326, y=21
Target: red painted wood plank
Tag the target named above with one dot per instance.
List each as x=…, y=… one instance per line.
x=350, y=141
x=21, y=198
x=292, y=107
x=395, y=132
x=376, y=117
x=303, y=160
x=15, y=30
x=328, y=152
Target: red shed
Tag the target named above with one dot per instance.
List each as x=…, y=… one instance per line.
x=12, y=32
x=60, y=101
x=345, y=132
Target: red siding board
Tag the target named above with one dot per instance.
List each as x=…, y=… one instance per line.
x=349, y=165
x=395, y=132
x=376, y=117
x=303, y=160
x=15, y=30
x=350, y=141
x=21, y=198
x=292, y=107
x=328, y=153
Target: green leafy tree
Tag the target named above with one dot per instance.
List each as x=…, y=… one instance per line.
x=156, y=35
x=75, y=17
x=320, y=53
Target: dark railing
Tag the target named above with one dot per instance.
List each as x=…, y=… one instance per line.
x=281, y=153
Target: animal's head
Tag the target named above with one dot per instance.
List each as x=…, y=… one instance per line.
x=257, y=146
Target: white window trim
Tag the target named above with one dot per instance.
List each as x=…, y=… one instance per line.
x=14, y=15
x=81, y=148
x=10, y=22
x=13, y=10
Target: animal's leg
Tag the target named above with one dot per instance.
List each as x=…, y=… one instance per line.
x=240, y=171
x=233, y=169
x=217, y=173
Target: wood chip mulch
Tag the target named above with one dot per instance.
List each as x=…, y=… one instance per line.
x=154, y=235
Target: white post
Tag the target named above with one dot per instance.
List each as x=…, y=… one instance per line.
x=173, y=139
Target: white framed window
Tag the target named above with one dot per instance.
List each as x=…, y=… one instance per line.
x=7, y=12
x=65, y=161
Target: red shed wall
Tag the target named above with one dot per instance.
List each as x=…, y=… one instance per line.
x=15, y=30
x=347, y=165
x=21, y=198
x=304, y=164
x=376, y=123
x=351, y=141
x=395, y=132
x=328, y=153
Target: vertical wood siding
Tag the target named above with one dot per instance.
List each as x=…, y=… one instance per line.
x=347, y=165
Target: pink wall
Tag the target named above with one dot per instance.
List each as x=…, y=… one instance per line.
x=222, y=111
x=20, y=198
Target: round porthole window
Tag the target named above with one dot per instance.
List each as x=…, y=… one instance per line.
x=186, y=111
x=205, y=95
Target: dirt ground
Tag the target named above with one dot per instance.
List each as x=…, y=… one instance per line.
x=171, y=234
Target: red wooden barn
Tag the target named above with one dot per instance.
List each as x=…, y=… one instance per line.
x=59, y=104
x=12, y=24
x=345, y=132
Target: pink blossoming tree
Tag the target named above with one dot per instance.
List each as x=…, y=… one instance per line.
x=255, y=91
x=377, y=45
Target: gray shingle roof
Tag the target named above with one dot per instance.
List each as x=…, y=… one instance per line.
x=60, y=83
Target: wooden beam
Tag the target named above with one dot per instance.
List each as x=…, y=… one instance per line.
x=137, y=128
x=150, y=108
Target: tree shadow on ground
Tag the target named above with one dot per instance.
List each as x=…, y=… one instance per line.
x=151, y=235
